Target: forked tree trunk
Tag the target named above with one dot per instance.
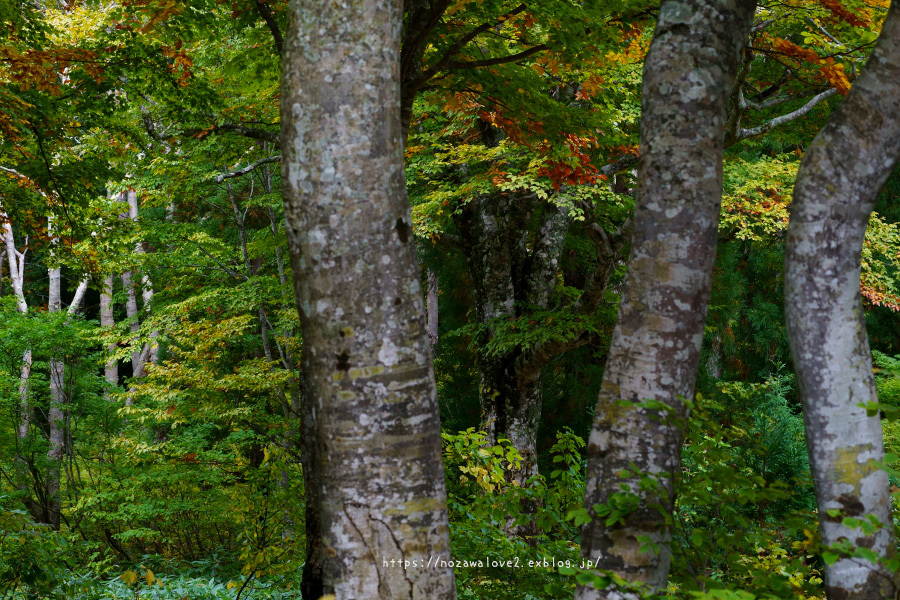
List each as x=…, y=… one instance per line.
x=513, y=271
x=366, y=349
x=17, y=278
x=839, y=180
x=655, y=349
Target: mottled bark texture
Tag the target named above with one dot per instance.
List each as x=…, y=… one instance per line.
x=655, y=349
x=513, y=265
x=368, y=359
x=840, y=177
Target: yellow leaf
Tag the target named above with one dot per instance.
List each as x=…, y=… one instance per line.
x=129, y=577
x=149, y=577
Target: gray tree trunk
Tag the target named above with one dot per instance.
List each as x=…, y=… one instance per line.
x=511, y=268
x=107, y=321
x=151, y=351
x=55, y=412
x=17, y=277
x=839, y=180
x=655, y=349
x=371, y=380
x=432, y=307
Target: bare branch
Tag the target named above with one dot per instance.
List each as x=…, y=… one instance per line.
x=768, y=126
x=223, y=176
x=620, y=165
x=824, y=31
x=12, y=172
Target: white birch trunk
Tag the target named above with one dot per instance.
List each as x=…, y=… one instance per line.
x=839, y=180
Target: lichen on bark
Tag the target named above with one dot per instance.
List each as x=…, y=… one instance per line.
x=377, y=449
x=655, y=349
x=840, y=177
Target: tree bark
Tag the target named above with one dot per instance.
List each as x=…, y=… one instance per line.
x=55, y=412
x=368, y=359
x=107, y=321
x=513, y=270
x=838, y=183
x=655, y=349
x=17, y=278
x=151, y=352
x=432, y=307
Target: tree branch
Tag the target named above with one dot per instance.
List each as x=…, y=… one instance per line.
x=768, y=126
x=223, y=176
x=487, y=62
x=456, y=46
x=269, y=18
x=256, y=134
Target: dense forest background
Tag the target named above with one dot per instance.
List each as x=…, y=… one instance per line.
x=150, y=383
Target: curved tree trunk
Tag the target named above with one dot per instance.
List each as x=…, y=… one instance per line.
x=655, y=348
x=371, y=381
x=839, y=180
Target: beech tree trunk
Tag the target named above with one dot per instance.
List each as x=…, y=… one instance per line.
x=55, y=413
x=17, y=278
x=513, y=270
x=368, y=358
x=655, y=349
x=107, y=321
x=839, y=180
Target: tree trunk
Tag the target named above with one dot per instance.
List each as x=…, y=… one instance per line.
x=432, y=306
x=55, y=414
x=151, y=352
x=17, y=278
x=655, y=349
x=838, y=183
x=366, y=348
x=107, y=321
x=513, y=270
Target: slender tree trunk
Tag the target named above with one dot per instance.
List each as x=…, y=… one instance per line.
x=151, y=353
x=55, y=414
x=839, y=180
x=107, y=321
x=432, y=305
x=655, y=350
x=366, y=349
x=17, y=278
